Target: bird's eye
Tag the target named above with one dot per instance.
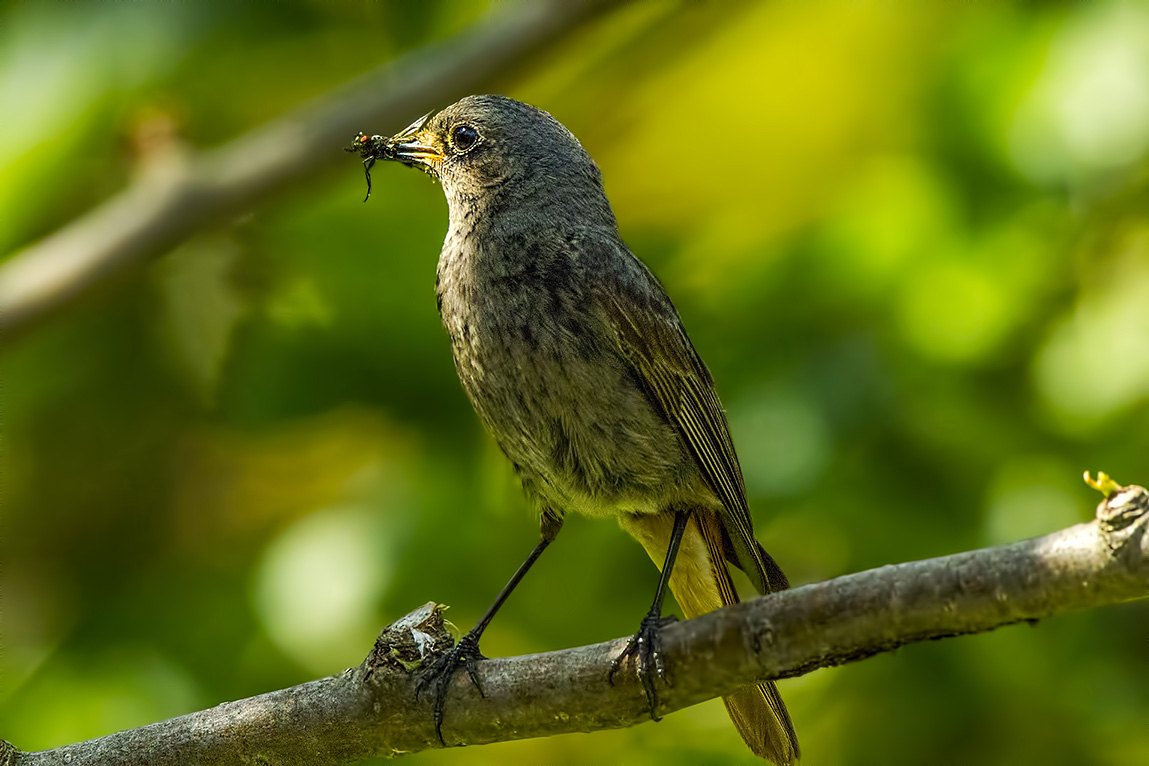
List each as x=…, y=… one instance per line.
x=463, y=137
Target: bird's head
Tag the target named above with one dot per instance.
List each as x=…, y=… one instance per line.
x=482, y=144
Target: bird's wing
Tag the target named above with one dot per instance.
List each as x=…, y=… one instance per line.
x=651, y=338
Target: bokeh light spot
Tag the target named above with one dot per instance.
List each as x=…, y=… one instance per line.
x=318, y=584
x=1089, y=109
x=952, y=311
x=1096, y=361
x=1031, y=496
x=783, y=441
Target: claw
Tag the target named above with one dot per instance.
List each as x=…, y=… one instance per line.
x=437, y=676
x=646, y=647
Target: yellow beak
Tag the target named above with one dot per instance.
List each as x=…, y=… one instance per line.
x=415, y=145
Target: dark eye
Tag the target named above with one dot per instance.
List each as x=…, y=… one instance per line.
x=463, y=137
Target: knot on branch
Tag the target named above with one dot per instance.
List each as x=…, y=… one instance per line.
x=1123, y=508
x=1123, y=518
x=407, y=642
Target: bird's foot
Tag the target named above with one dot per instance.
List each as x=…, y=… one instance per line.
x=437, y=676
x=646, y=647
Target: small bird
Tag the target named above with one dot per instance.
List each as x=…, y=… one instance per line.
x=577, y=363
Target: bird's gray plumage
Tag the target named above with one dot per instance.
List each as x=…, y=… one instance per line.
x=531, y=255
x=577, y=362
x=564, y=405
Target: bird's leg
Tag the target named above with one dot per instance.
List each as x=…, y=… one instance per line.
x=438, y=674
x=646, y=644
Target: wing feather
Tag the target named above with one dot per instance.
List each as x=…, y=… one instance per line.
x=651, y=338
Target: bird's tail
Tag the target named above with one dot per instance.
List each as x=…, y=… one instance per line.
x=701, y=583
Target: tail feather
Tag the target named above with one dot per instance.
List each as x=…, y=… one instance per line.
x=761, y=718
x=774, y=574
x=701, y=583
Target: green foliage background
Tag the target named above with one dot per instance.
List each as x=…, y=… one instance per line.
x=910, y=239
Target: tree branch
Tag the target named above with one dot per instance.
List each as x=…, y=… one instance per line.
x=177, y=198
x=371, y=710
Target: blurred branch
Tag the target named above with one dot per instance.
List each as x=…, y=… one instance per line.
x=371, y=710
x=165, y=206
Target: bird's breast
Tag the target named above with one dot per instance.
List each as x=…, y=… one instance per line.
x=545, y=377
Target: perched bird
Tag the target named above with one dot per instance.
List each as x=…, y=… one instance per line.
x=577, y=363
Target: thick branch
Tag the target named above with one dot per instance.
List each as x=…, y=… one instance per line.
x=165, y=206
x=372, y=710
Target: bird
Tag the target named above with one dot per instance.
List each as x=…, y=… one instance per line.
x=577, y=363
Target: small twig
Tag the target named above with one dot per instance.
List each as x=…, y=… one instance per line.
x=163, y=208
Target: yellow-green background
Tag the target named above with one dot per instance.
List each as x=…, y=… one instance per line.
x=911, y=239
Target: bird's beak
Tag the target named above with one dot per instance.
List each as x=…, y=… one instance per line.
x=415, y=145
